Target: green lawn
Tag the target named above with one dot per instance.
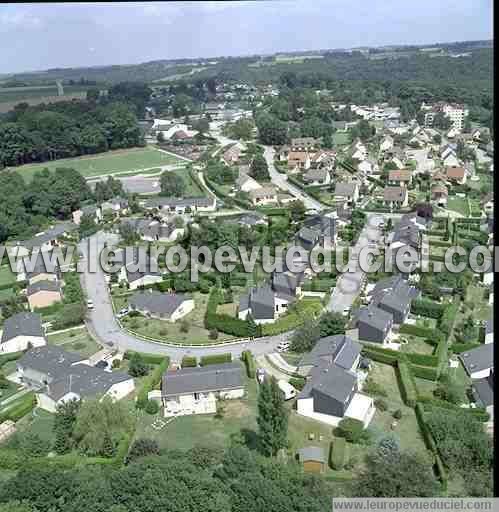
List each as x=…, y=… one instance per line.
x=76, y=340
x=40, y=422
x=166, y=331
x=6, y=275
x=6, y=293
x=341, y=138
x=407, y=429
x=416, y=345
x=125, y=160
x=458, y=204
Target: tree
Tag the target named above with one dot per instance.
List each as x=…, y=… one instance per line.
x=152, y=407
x=437, y=138
x=305, y=336
x=137, y=367
x=271, y=130
x=402, y=474
x=253, y=330
x=259, y=169
x=297, y=211
x=64, y=421
x=108, y=449
x=172, y=185
x=12, y=306
x=32, y=445
x=128, y=234
x=272, y=418
x=93, y=95
x=160, y=137
x=331, y=324
x=142, y=447
x=87, y=226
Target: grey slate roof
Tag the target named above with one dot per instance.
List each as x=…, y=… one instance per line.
x=261, y=302
x=157, y=303
x=345, y=189
x=251, y=219
x=479, y=358
x=50, y=234
x=50, y=360
x=483, y=391
x=315, y=453
x=150, y=228
x=338, y=349
x=214, y=377
x=395, y=301
x=22, y=324
x=172, y=202
x=375, y=317
x=394, y=193
x=39, y=266
x=43, y=286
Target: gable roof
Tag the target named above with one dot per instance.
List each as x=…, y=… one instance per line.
x=394, y=194
x=455, y=172
x=345, y=189
x=375, y=317
x=156, y=302
x=50, y=360
x=483, y=390
x=399, y=175
x=53, y=233
x=214, y=377
x=339, y=349
x=22, y=324
x=43, y=286
x=479, y=358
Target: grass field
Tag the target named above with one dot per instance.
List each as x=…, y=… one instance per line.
x=76, y=340
x=6, y=276
x=341, y=138
x=458, y=204
x=112, y=162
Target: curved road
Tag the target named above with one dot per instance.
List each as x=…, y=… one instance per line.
x=103, y=325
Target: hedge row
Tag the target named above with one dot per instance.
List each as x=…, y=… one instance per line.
x=448, y=317
x=428, y=308
x=380, y=357
x=7, y=358
x=189, y=362
x=422, y=359
x=151, y=381
x=458, y=348
x=431, y=403
x=424, y=372
x=147, y=358
x=215, y=359
x=223, y=322
x=439, y=243
x=338, y=453
x=20, y=408
x=319, y=285
x=415, y=330
x=407, y=385
x=249, y=362
x=297, y=382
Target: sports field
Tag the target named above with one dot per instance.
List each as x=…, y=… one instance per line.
x=112, y=162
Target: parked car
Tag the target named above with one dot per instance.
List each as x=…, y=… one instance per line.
x=123, y=312
x=288, y=390
x=283, y=346
x=90, y=304
x=260, y=375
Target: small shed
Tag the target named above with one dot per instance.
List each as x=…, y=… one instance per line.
x=313, y=459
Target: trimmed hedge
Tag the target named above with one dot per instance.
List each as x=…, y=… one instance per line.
x=147, y=358
x=20, y=408
x=249, y=362
x=189, y=362
x=458, y=348
x=448, y=317
x=380, y=357
x=338, y=453
x=424, y=372
x=422, y=359
x=223, y=322
x=428, y=308
x=7, y=358
x=297, y=382
x=415, y=330
x=407, y=385
x=430, y=403
x=151, y=381
x=216, y=359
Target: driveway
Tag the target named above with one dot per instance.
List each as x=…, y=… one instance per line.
x=349, y=284
x=281, y=181
x=102, y=323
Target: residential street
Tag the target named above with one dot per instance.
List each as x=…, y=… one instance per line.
x=349, y=284
x=103, y=325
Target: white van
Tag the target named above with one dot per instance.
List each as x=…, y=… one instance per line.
x=283, y=346
x=288, y=390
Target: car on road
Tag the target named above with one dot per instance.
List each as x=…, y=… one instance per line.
x=90, y=304
x=283, y=346
x=346, y=310
x=122, y=312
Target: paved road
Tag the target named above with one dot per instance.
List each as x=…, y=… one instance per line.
x=103, y=325
x=280, y=180
x=349, y=284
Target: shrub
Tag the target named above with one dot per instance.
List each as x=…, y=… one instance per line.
x=297, y=382
x=213, y=335
x=223, y=322
x=373, y=388
x=351, y=429
x=141, y=448
x=189, y=362
x=397, y=414
x=216, y=359
x=249, y=362
x=137, y=366
x=422, y=359
x=152, y=407
x=338, y=452
x=381, y=404
x=147, y=358
x=116, y=364
x=407, y=384
x=428, y=308
x=184, y=327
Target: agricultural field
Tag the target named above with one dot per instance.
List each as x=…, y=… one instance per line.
x=112, y=162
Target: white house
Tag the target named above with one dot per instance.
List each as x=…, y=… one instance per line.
x=22, y=331
x=197, y=390
x=246, y=183
x=386, y=143
x=164, y=306
x=58, y=376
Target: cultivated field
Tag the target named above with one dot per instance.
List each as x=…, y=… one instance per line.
x=112, y=162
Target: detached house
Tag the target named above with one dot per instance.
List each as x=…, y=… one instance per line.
x=483, y=393
x=197, y=390
x=43, y=294
x=93, y=211
x=317, y=230
x=331, y=391
x=263, y=196
x=22, y=331
x=400, y=177
x=246, y=183
x=44, y=241
x=163, y=306
x=395, y=197
x=116, y=206
x=155, y=231
x=439, y=194
x=298, y=160
x=374, y=324
x=347, y=193
x=58, y=376
x=456, y=174
x=479, y=362
x=169, y=205
x=304, y=144
x=319, y=176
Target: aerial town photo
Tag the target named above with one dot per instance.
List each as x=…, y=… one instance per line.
x=247, y=256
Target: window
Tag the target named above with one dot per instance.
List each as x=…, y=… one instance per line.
x=196, y=396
